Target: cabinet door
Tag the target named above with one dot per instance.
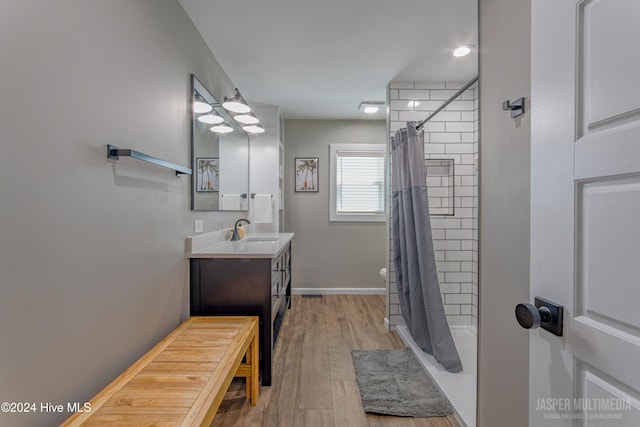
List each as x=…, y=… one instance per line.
x=275, y=295
x=286, y=268
x=276, y=284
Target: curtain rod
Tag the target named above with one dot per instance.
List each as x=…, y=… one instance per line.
x=447, y=102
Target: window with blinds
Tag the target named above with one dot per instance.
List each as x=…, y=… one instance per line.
x=360, y=183
x=357, y=182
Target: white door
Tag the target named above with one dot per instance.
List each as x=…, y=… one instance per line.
x=585, y=211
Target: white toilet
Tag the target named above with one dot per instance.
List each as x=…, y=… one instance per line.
x=383, y=274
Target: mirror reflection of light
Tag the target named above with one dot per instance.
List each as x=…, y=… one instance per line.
x=461, y=51
x=253, y=128
x=236, y=104
x=413, y=104
x=200, y=107
x=221, y=128
x=246, y=119
x=236, y=107
x=210, y=119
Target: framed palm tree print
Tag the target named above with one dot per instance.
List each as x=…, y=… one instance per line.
x=306, y=174
x=207, y=176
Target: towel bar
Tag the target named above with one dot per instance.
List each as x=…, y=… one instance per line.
x=114, y=152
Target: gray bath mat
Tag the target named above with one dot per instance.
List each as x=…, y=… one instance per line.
x=392, y=382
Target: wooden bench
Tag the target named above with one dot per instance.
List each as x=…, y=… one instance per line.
x=183, y=379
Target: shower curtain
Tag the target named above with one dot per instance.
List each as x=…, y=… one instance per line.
x=413, y=256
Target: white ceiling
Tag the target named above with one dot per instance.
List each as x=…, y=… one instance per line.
x=319, y=59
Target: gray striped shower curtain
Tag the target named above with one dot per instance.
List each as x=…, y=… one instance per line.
x=413, y=254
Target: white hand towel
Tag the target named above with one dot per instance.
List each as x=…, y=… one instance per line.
x=263, y=209
x=231, y=202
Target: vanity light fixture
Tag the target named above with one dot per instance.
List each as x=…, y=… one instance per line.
x=236, y=104
x=461, y=51
x=246, y=119
x=211, y=119
x=221, y=128
x=370, y=107
x=253, y=128
x=200, y=107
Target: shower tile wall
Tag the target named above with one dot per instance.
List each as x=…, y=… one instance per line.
x=451, y=134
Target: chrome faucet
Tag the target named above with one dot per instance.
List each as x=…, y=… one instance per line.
x=235, y=236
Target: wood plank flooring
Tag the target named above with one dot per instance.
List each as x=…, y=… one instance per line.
x=314, y=382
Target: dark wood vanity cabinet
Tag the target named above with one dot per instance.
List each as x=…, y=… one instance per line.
x=247, y=287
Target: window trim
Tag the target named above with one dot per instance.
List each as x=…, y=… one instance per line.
x=334, y=216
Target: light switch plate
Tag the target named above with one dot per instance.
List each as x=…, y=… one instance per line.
x=198, y=226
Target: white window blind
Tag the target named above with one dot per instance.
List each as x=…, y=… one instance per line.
x=360, y=183
x=357, y=182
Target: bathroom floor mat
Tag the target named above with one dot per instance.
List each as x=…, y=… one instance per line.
x=392, y=382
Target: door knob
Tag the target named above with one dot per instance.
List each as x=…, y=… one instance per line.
x=529, y=316
x=545, y=313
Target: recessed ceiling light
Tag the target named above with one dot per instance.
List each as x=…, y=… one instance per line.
x=413, y=104
x=370, y=107
x=461, y=51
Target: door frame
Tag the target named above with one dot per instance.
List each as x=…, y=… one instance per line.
x=504, y=179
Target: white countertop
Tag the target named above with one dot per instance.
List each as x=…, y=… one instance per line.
x=258, y=245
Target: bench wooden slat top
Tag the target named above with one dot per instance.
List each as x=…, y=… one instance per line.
x=183, y=379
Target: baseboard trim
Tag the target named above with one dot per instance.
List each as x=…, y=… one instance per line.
x=339, y=291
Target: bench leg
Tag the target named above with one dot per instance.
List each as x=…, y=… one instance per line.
x=249, y=364
x=253, y=359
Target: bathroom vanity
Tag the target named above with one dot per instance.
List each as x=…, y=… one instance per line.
x=247, y=277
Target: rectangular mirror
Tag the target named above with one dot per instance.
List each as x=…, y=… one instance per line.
x=219, y=155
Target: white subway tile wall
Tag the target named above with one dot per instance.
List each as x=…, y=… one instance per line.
x=451, y=137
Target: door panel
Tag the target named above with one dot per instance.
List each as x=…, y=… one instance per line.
x=595, y=386
x=585, y=210
x=605, y=347
x=592, y=152
x=608, y=239
x=604, y=54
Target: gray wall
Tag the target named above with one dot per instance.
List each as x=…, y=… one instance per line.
x=503, y=351
x=338, y=254
x=92, y=265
